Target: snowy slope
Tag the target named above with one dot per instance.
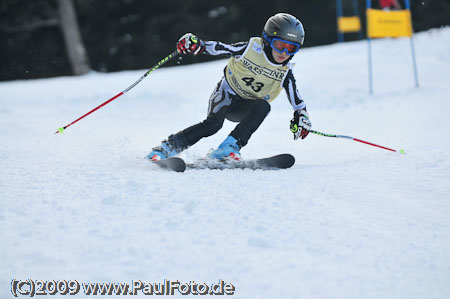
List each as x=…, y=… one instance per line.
x=347, y=221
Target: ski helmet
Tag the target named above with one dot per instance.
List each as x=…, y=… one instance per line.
x=284, y=26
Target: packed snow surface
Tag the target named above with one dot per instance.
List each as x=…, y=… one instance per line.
x=349, y=220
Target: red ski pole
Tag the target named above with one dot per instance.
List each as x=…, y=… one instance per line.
x=160, y=63
x=356, y=139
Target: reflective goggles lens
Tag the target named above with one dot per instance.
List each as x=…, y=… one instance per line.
x=282, y=46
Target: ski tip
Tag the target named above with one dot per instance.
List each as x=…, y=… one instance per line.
x=174, y=164
x=289, y=160
x=180, y=166
x=402, y=152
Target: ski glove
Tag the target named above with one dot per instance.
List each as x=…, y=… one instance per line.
x=190, y=43
x=300, y=124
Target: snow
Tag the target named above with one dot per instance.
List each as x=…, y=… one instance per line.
x=347, y=221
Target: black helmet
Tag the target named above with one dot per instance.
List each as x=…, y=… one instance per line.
x=284, y=26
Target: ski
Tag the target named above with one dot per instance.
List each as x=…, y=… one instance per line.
x=282, y=161
x=173, y=163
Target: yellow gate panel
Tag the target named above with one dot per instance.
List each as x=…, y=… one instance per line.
x=349, y=24
x=381, y=23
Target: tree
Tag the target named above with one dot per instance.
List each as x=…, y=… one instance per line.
x=72, y=37
x=44, y=14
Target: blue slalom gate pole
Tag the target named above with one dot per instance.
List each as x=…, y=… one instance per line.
x=369, y=47
x=413, y=52
x=339, y=14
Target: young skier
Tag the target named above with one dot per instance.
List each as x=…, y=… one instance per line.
x=255, y=75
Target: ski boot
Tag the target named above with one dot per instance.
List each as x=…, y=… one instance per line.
x=163, y=151
x=229, y=149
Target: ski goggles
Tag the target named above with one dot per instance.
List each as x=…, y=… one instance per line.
x=283, y=46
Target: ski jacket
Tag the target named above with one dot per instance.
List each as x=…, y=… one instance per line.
x=252, y=75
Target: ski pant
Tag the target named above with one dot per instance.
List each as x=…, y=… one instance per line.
x=224, y=103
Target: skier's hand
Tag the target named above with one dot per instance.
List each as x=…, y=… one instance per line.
x=190, y=43
x=300, y=124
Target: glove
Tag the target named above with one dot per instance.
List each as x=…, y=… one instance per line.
x=300, y=124
x=189, y=43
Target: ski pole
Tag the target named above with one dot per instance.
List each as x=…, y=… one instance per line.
x=356, y=139
x=160, y=63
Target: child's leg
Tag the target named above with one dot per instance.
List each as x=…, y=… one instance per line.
x=189, y=136
x=219, y=103
x=250, y=114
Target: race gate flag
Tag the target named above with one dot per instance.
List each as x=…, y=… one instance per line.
x=349, y=24
x=381, y=23
x=348, y=21
x=389, y=23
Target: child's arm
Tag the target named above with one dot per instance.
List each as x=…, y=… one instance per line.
x=216, y=48
x=293, y=95
x=300, y=124
x=192, y=44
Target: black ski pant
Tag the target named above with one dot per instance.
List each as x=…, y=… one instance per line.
x=224, y=104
